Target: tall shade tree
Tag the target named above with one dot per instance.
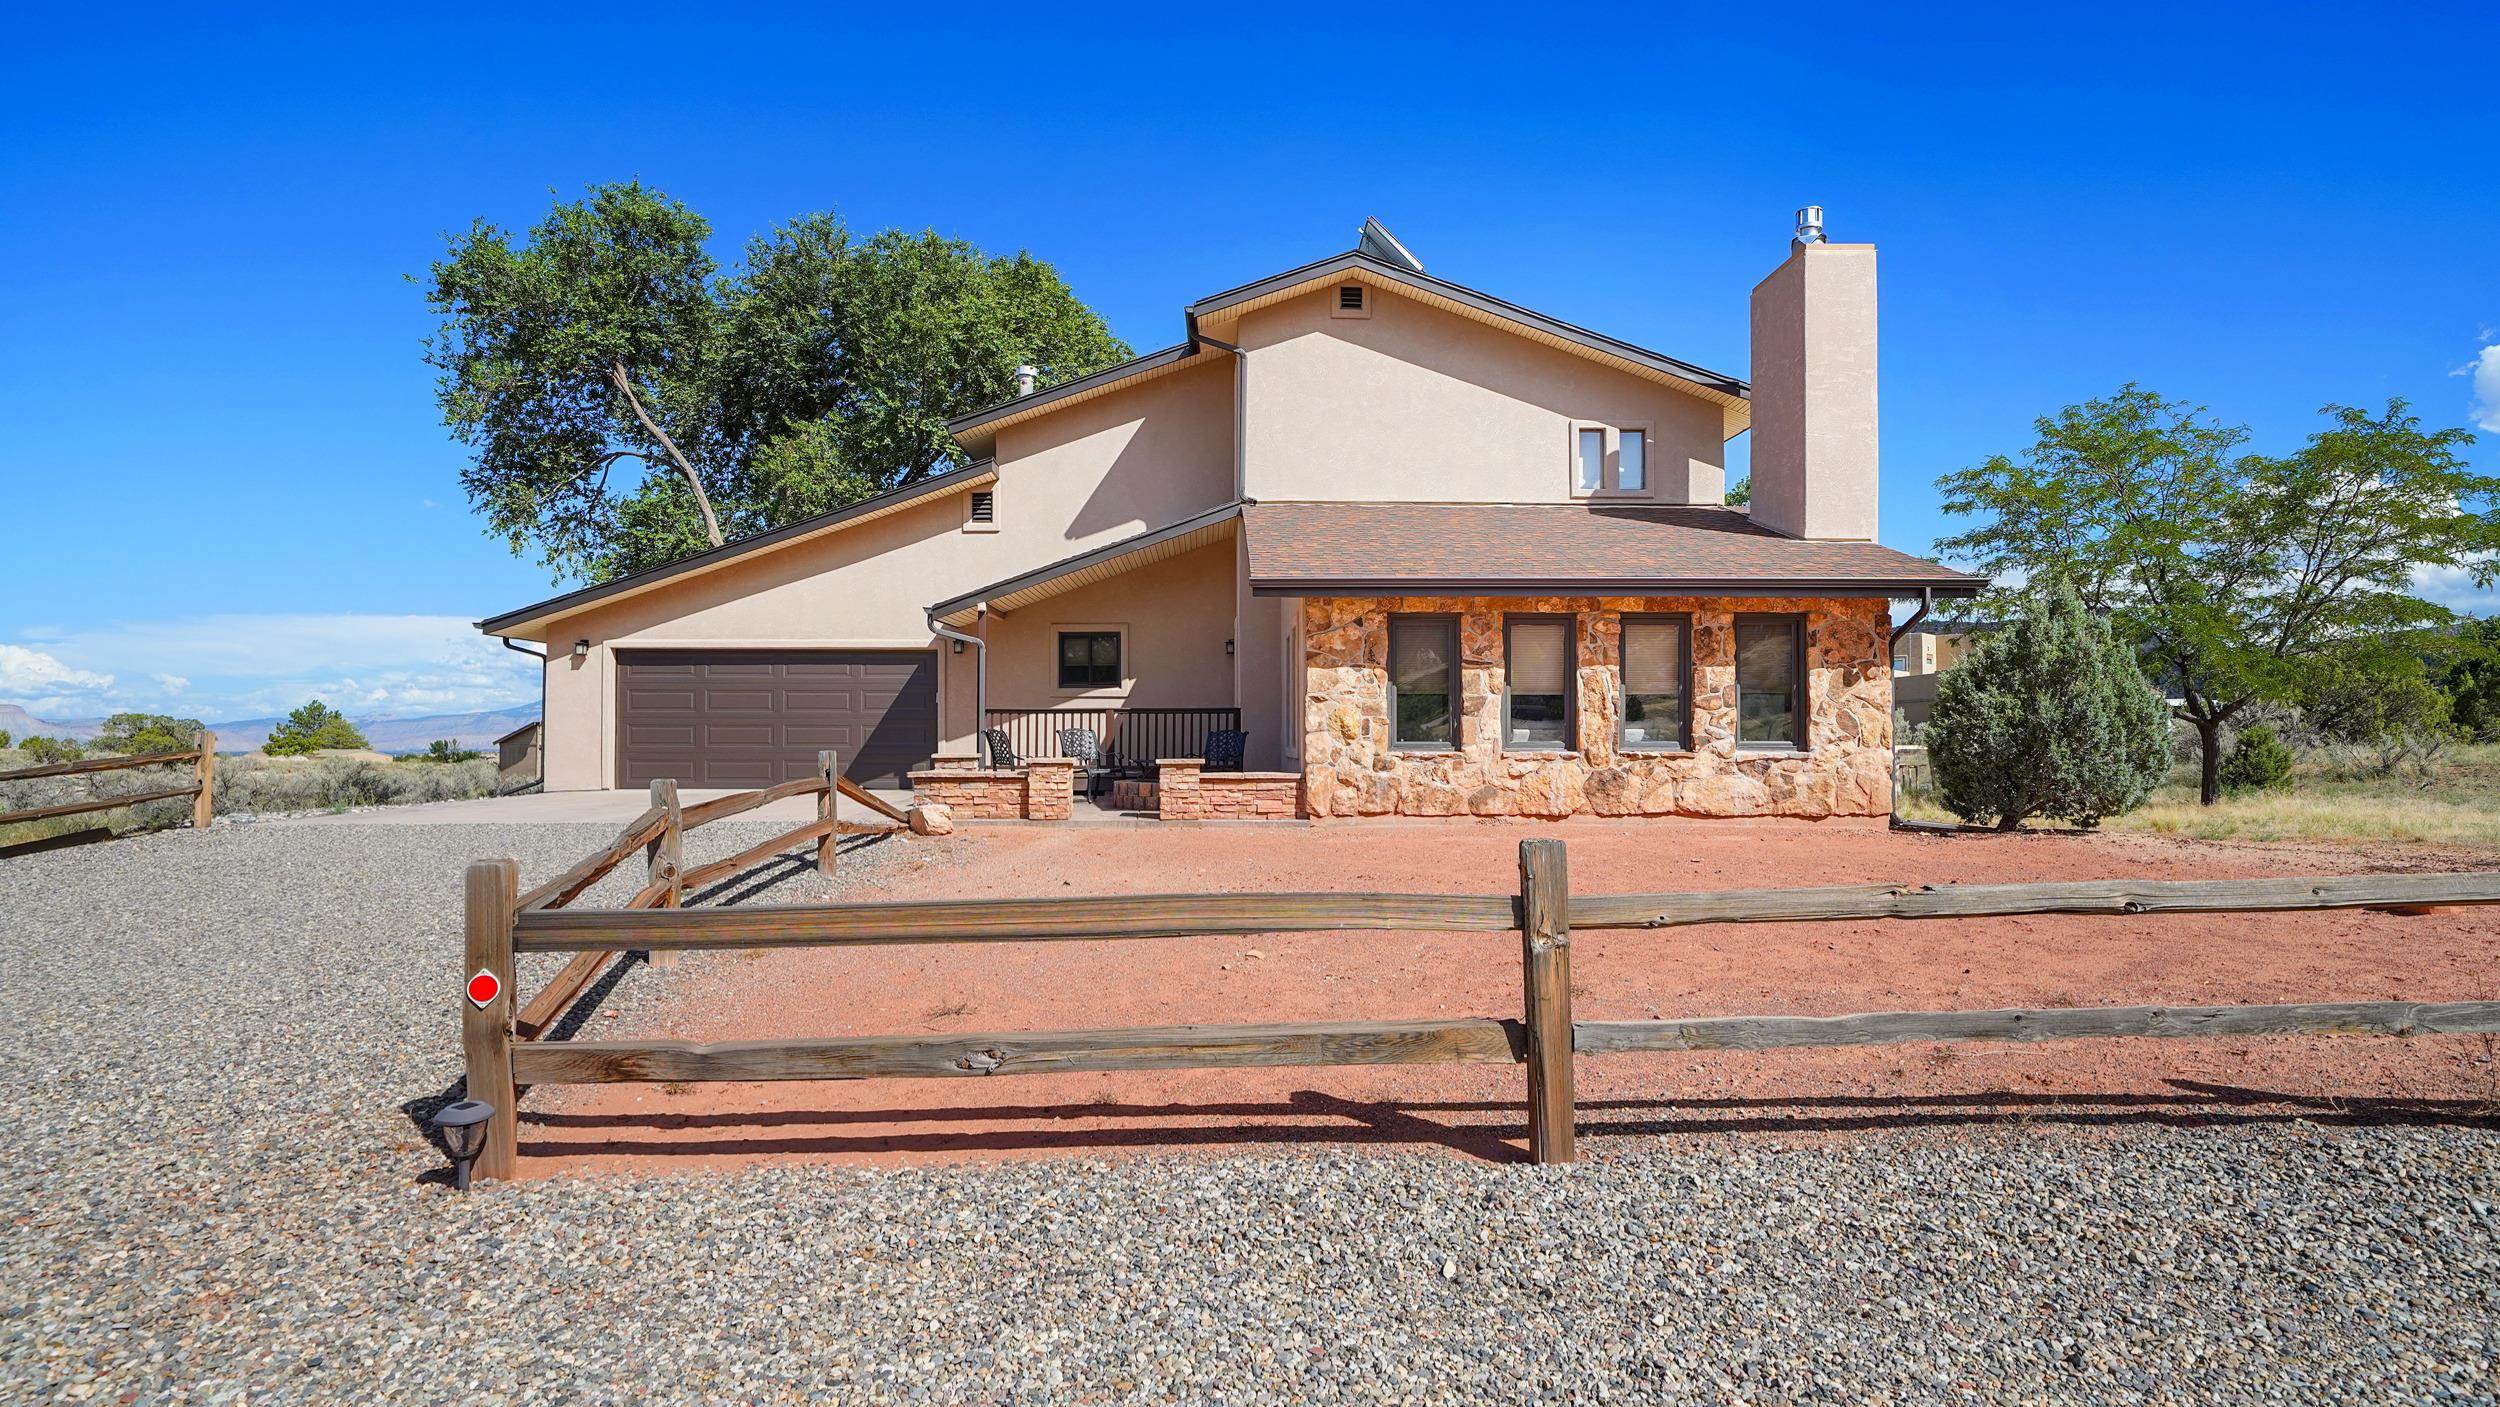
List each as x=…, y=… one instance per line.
x=820, y=372
x=563, y=355
x=2240, y=578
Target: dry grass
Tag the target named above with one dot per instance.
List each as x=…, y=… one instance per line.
x=2460, y=807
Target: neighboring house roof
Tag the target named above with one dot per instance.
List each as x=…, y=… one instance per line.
x=1932, y=626
x=1085, y=568
x=1312, y=549
x=530, y=727
x=520, y=623
x=978, y=430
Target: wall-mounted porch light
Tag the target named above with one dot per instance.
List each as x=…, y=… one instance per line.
x=581, y=649
x=463, y=1127
x=1228, y=647
x=958, y=644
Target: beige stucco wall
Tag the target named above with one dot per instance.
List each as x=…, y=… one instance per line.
x=1814, y=394
x=1101, y=471
x=1350, y=769
x=1416, y=404
x=1173, y=617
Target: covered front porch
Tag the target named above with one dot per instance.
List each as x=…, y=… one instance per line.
x=1114, y=679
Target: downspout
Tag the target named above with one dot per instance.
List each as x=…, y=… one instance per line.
x=1241, y=494
x=1926, y=603
x=980, y=680
x=541, y=657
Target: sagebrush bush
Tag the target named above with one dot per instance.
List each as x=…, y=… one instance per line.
x=329, y=783
x=2048, y=717
x=2257, y=761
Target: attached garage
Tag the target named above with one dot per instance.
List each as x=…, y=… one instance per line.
x=751, y=718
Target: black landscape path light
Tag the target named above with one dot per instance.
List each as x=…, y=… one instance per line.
x=463, y=1127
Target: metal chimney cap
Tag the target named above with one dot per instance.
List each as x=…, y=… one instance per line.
x=1025, y=376
x=1809, y=226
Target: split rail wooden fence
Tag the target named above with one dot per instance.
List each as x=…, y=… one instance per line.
x=1545, y=1038
x=203, y=781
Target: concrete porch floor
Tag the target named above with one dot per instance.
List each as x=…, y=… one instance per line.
x=613, y=808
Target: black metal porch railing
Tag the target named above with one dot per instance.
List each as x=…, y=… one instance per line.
x=1130, y=735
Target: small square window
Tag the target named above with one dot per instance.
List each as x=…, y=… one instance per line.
x=1089, y=659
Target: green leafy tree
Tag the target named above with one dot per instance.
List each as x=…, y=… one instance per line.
x=565, y=354
x=1740, y=493
x=2258, y=761
x=820, y=372
x=2239, y=576
x=2048, y=717
x=46, y=751
x=449, y=750
x=138, y=734
x=2472, y=680
x=313, y=728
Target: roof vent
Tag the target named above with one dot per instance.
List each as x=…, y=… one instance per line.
x=1025, y=376
x=1377, y=242
x=984, y=507
x=1809, y=226
x=1350, y=297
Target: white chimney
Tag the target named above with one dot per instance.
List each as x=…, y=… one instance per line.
x=1024, y=379
x=1814, y=388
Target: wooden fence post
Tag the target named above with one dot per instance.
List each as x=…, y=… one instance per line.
x=667, y=856
x=1545, y=956
x=203, y=804
x=494, y=893
x=828, y=806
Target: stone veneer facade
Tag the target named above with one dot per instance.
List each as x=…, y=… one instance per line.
x=1186, y=791
x=1044, y=790
x=1349, y=769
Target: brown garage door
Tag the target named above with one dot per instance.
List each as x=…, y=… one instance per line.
x=751, y=718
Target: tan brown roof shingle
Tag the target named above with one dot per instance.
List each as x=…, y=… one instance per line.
x=1304, y=548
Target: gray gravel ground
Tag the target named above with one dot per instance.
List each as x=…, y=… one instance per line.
x=213, y=1197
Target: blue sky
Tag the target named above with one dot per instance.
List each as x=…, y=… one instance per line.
x=227, y=487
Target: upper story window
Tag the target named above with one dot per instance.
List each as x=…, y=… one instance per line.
x=1536, y=693
x=1607, y=460
x=1089, y=659
x=1423, y=682
x=1657, y=683
x=1770, y=682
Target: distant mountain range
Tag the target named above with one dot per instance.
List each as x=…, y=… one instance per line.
x=393, y=735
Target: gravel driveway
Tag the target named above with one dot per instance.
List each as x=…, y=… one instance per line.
x=213, y=1197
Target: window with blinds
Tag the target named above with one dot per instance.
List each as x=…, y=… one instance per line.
x=1657, y=680
x=1536, y=702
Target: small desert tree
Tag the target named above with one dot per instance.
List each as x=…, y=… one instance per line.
x=2048, y=717
x=47, y=751
x=312, y=728
x=139, y=734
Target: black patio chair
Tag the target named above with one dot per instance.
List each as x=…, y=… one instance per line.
x=1083, y=746
x=1002, y=750
x=1224, y=749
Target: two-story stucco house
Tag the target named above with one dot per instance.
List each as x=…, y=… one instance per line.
x=1432, y=552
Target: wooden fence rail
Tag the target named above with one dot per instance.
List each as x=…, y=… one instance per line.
x=1544, y=1037
x=201, y=790
x=660, y=834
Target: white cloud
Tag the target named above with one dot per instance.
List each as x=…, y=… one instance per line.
x=227, y=667
x=2484, y=371
x=2454, y=588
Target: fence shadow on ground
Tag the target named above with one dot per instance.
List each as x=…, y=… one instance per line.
x=1491, y=1130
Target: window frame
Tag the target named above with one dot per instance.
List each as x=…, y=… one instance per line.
x=1683, y=620
x=1458, y=712
x=1059, y=658
x=1802, y=708
x=1571, y=680
x=1610, y=463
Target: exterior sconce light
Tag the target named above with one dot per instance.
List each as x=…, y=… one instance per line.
x=958, y=644
x=463, y=1127
x=581, y=649
x=1228, y=647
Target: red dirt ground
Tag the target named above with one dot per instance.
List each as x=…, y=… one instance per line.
x=1476, y=1111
